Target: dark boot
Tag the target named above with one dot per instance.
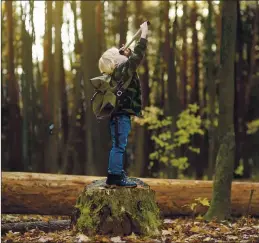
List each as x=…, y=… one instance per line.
x=119, y=181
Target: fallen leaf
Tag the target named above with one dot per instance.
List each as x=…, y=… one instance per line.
x=82, y=238
x=232, y=237
x=132, y=236
x=117, y=239
x=168, y=221
x=245, y=228
x=45, y=239
x=207, y=239
x=223, y=229
x=195, y=229
x=167, y=232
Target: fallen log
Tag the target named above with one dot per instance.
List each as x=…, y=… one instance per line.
x=49, y=226
x=38, y=193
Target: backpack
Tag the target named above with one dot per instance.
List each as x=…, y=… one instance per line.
x=104, y=100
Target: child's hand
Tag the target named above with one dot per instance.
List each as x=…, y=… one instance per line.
x=144, y=30
x=126, y=52
x=144, y=26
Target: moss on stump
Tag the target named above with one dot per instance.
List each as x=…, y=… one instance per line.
x=119, y=211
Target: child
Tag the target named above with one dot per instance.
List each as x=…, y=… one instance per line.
x=129, y=103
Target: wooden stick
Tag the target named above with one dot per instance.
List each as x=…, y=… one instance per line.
x=41, y=225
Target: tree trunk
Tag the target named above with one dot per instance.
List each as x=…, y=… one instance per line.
x=48, y=89
x=64, y=101
x=221, y=198
x=135, y=210
x=196, y=160
x=172, y=103
x=90, y=64
x=54, y=139
x=183, y=73
x=123, y=23
x=239, y=105
x=27, y=80
x=211, y=93
x=14, y=131
x=102, y=127
x=250, y=83
x=56, y=194
x=141, y=133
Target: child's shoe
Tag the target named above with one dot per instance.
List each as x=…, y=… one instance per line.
x=119, y=181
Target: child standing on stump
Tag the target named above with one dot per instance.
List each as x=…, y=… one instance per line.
x=123, y=67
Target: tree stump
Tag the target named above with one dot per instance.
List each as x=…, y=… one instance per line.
x=119, y=211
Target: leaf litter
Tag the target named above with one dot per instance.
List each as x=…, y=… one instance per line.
x=173, y=230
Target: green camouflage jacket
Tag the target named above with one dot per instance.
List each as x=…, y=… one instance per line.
x=130, y=102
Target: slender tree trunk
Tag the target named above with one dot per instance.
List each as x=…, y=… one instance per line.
x=103, y=127
x=183, y=75
x=54, y=139
x=48, y=88
x=123, y=23
x=250, y=84
x=90, y=61
x=64, y=102
x=211, y=93
x=143, y=142
x=196, y=160
x=239, y=111
x=156, y=88
x=195, y=57
x=72, y=150
x=27, y=81
x=15, y=152
x=221, y=198
x=172, y=107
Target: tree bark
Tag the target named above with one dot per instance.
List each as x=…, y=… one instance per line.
x=211, y=93
x=48, y=89
x=123, y=23
x=221, y=198
x=184, y=66
x=135, y=210
x=56, y=194
x=26, y=78
x=172, y=101
x=196, y=160
x=15, y=126
x=54, y=139
x=94, y=162
x=239, y=105
x=50, y=226
x=142, y=134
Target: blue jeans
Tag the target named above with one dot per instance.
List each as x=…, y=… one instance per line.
x=120, y=127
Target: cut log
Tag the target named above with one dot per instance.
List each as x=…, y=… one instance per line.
x=117, y=211
x=53, y=194
x=49, y=226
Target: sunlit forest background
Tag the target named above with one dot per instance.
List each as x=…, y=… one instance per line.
x=50, y=50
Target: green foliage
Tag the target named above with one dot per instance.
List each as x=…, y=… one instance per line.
x=253, y=126
x=188, y=124
x=198, y=202
x=240, y=169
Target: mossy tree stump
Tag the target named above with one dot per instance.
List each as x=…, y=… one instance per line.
x=119, y=211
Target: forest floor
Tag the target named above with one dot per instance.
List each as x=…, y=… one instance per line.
x=181, y=229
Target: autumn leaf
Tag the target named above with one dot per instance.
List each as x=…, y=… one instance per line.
x=117, y=239
x=45, y=239
x=82, y=238
x=167, y=232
